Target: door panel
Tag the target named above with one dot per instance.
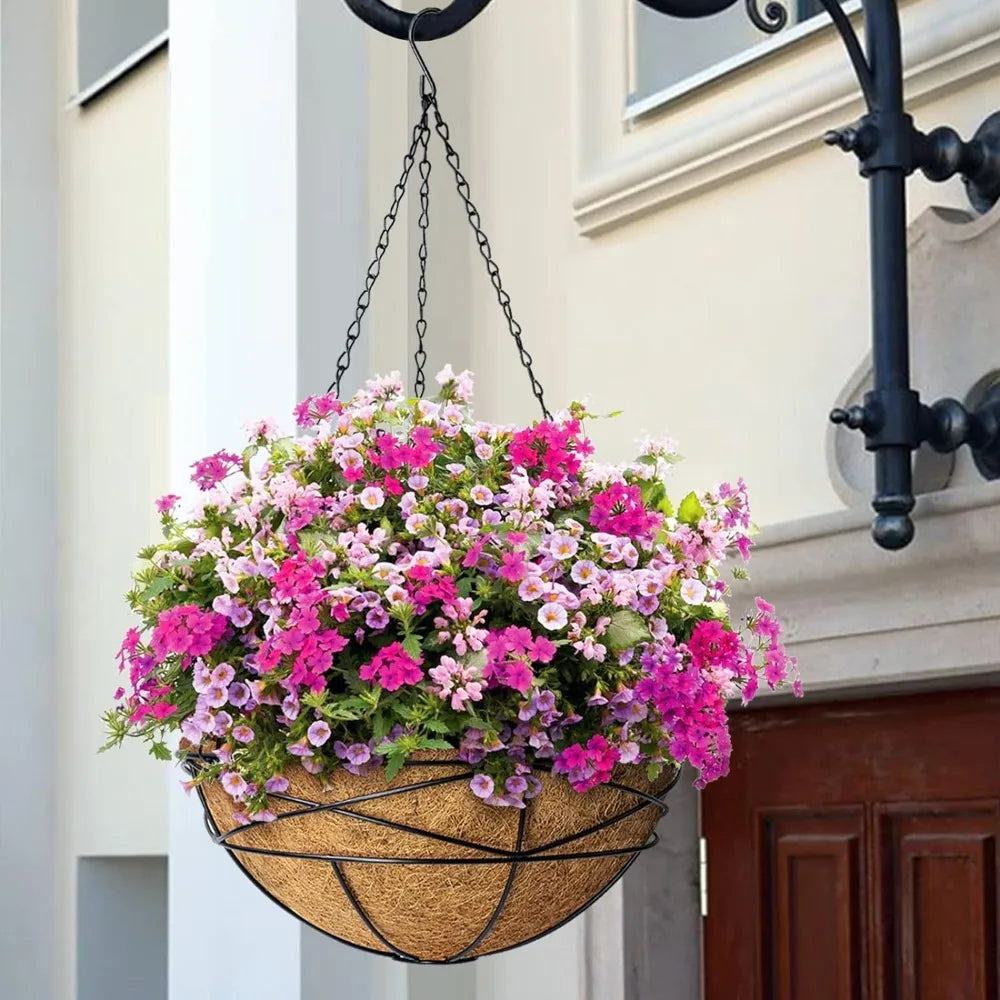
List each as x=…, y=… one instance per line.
x=853, y=852
x=813, y=876
x=940, y=891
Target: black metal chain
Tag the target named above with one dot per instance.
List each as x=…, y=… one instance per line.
x=420, y=133
x=421, y=136
x=420, y=356
x=441, y=127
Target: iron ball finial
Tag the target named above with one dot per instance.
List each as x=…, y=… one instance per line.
x=893, y=531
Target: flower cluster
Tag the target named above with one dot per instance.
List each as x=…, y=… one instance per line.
x=398, y=578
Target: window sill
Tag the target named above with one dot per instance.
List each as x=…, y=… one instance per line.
x=126, y=67
x=739, y=120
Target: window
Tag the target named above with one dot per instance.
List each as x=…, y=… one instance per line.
x=669, y=50
x=115, y=35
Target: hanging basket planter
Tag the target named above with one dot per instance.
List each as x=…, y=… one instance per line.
x=434, y=676
x=417, y=869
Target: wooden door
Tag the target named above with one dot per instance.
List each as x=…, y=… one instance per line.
x=852, y=853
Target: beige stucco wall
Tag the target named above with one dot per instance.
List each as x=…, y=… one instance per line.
x=730, y=319
x=113, y=427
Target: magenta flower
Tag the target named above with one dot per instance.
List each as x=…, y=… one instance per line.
x=165, y=504
x=513, y=567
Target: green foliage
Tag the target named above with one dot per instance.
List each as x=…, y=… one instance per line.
x=627, y=629
x=691, y=510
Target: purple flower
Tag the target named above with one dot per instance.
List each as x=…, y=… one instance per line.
x=545, y=701
x=377, y=618
x=359, y=753
x=318, y=733
x=516, y=784
x=243, y=733
x=276, y=783
x=300, y=749
x=239, y=694
x=233, y=784
x=482, y=786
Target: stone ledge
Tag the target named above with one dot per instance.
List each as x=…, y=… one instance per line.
x=857, y=616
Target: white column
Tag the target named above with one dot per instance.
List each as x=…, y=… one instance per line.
x=34, y=927
x=267, y=221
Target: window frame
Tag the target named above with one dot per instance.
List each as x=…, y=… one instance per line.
x=638, y=107
x=87, y=92
x=775, y=105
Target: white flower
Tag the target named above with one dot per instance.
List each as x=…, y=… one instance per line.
x=552, y=616
x=372, y=498
x=693, y=592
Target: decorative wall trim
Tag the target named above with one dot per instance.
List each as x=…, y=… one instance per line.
x=756, y=115
x=860, y=617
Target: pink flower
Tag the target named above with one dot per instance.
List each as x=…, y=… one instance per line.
x=392, y=667
x=212, y=470
x=243, y=733
x=513, y=568
x=165, y=504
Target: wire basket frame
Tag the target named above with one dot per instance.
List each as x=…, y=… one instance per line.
x=519, y=861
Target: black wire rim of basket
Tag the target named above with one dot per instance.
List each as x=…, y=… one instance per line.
x=196, y=763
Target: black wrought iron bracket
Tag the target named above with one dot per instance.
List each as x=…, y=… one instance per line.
x=889, y=147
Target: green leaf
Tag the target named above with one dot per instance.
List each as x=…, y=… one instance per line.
x=691, y=510
x=652, y=771
x=412, y=646
x=648, y=460
x=436, y=726
x=431, y=744
x=665, y=507
x=160, y=751
x=393, y=766
x=627, y=628
x=160, y=584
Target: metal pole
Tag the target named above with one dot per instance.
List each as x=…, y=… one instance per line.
x=893, y=500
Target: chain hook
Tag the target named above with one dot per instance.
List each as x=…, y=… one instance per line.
x=428, y=88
